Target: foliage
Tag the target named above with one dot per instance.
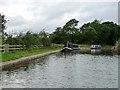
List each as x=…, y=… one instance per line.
x=117, y=45
x=45, y=40
x=68, y=32
x=3, y=34
x=30, y=39
x=95, y=32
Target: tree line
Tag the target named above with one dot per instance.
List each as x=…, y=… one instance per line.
x=95, y=32
x=29, y=38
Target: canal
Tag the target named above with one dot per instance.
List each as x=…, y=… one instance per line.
x=65, y=70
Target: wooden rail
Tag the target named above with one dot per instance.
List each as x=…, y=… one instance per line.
x=7, y=47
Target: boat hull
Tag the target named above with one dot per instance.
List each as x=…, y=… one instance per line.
x=66, y=49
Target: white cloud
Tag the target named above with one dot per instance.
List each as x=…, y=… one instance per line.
x=38, y=14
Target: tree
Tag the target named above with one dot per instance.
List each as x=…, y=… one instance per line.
x=70, y=29
x=89, y=35
x=69, y=32
x=45, y=40
x=2, y=27
x=57, y=36
x=112, y=32
x=93, y=32
x=102, y=33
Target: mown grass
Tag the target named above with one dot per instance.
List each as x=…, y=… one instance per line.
x=23, y=53
x=107, y=46
x=84, y=46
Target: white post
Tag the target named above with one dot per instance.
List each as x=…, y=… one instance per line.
x=6, y=48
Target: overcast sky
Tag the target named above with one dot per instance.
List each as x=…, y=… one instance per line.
x=36, y=15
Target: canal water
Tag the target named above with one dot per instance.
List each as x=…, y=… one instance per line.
x=65, y=70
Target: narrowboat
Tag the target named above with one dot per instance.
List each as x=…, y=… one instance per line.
x=70, y=47
x=95, y=46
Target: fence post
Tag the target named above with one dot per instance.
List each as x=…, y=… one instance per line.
x=6, y=47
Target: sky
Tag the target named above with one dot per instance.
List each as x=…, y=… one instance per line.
x=47, y=15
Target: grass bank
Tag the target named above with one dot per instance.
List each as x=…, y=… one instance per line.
x=23, y=53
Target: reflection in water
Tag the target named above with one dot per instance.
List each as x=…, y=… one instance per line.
x=65, y=70
x=95, y=51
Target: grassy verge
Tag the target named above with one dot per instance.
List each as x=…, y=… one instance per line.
x=24, y=53
x=84, y=46
x=19, y=54
x=107, y=47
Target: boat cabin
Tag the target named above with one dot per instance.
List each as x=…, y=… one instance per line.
x=95, y=46
x=70, y=47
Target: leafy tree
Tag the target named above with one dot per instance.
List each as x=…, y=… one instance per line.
x=10, y=40
x=69, y=32
x=57, y=36
x=104, y=33
x=3, y=34
x=90, y=35
x=45, y=40
x=93, y=32
x=112, y=32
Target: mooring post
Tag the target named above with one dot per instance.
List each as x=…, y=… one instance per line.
x=6, y=48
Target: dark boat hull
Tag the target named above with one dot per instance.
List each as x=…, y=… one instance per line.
x=66, y=49
x=70, y=47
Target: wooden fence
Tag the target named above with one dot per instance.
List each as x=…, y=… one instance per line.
x=7, y=47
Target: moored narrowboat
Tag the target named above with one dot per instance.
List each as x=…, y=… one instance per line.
x=95, y=46
x=70, y=47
